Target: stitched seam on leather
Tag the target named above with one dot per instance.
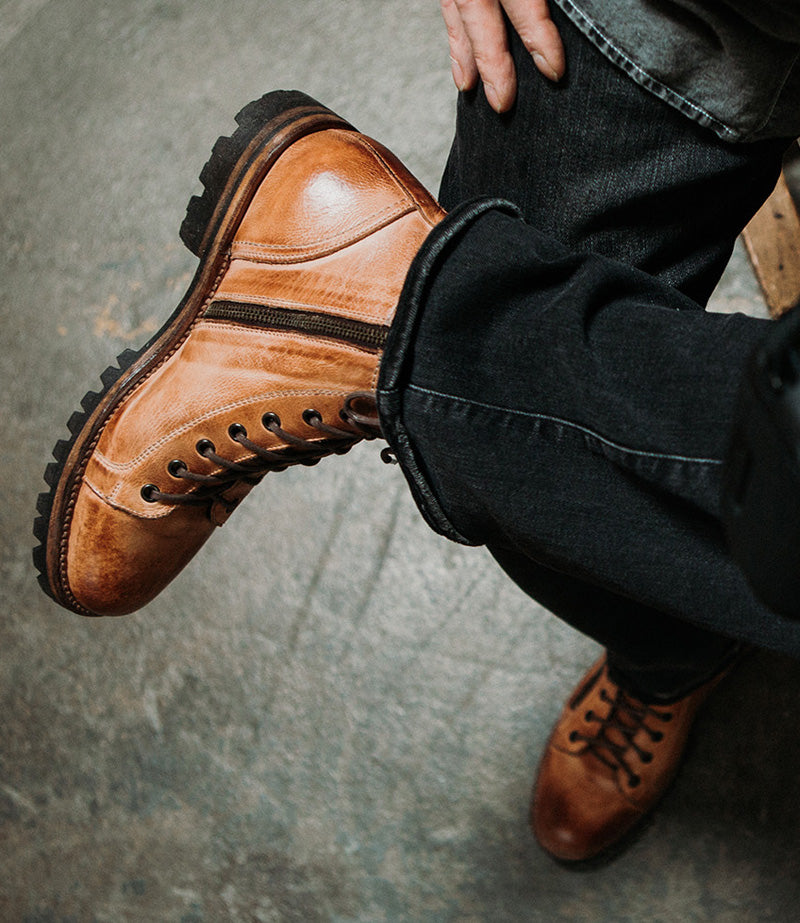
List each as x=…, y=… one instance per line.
x=365, y=141
x=289, y=253
x=291, y=336
x=69, y=508
x=176, y=346
x=153, y=448
x=110, y=500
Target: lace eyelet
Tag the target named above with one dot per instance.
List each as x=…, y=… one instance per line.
x=176, y=467
x=204, y=446
x=270, y=420
x=237, y=429
x=646, y=757
x=311, y=414
x=147, y=493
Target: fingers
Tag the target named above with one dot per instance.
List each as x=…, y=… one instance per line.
x=479, y=45
x=476, y=32
x=462, y=61
x=531, y=19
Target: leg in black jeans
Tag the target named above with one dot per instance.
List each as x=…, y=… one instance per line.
x=574, y=411
x=599, y=164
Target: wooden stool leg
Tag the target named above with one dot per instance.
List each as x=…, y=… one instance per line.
x=772, y=239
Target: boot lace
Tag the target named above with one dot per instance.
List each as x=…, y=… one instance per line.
x=359, y=411
x=614, y=739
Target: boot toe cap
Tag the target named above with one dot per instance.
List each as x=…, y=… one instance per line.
x=117, y=562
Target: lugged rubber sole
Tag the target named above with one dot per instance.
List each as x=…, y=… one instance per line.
x=237, y=165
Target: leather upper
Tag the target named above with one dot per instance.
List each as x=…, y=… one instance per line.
x=589, y=794
x=332, y=228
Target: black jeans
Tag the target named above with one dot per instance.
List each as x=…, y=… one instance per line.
x=565, y=409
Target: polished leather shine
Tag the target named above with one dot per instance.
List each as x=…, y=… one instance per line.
x=331, y=228
x=609, y=760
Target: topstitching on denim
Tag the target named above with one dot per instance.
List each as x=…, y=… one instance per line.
x=642, y=77
x=569, y=424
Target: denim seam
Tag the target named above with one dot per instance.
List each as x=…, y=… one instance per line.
x=393, y=366
x=641, y=453
x=643, y=77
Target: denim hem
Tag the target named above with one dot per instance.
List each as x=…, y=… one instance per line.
x=397, y=356
x=736, y=651
x=646, y=80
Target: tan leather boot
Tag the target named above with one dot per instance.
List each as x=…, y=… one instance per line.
x=305, y=234
x=609, y=760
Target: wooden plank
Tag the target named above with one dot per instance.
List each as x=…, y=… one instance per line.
x=772, y=239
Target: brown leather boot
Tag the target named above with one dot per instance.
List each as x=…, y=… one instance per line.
x=305, y=234
x=609, y=760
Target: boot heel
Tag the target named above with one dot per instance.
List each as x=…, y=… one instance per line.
x=275, y=120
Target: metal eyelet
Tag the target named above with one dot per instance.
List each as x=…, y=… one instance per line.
x=270, y=420
x=204, y=446
x=311, y=414
x=147, y=493
x=176, y=467
x=237, y=429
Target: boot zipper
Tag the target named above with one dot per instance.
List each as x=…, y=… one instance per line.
x=358, y=333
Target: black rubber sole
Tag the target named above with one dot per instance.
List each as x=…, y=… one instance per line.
x=260, y=123
x=54, y=471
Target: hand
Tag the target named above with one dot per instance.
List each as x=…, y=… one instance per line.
x=478, y=41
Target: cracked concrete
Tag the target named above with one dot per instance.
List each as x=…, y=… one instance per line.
x=332, y=715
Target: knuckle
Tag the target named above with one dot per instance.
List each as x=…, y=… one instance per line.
x=492, y=59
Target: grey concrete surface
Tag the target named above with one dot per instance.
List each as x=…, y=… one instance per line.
x=332, y=715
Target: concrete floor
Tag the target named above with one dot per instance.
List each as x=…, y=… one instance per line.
x=332, y=715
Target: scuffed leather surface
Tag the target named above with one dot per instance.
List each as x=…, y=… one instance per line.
x=581, y=806
x=332, y=227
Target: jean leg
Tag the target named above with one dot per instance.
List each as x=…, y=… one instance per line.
x=573, y=410
x=655, y=655
x=603, y=166
x=657, y=197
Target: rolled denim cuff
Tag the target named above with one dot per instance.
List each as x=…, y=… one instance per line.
x=397, y=358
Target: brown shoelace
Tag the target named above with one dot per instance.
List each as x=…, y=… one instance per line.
x=359, y=411
x=626, y=718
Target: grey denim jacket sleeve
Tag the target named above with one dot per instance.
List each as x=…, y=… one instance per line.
x=731, y=66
